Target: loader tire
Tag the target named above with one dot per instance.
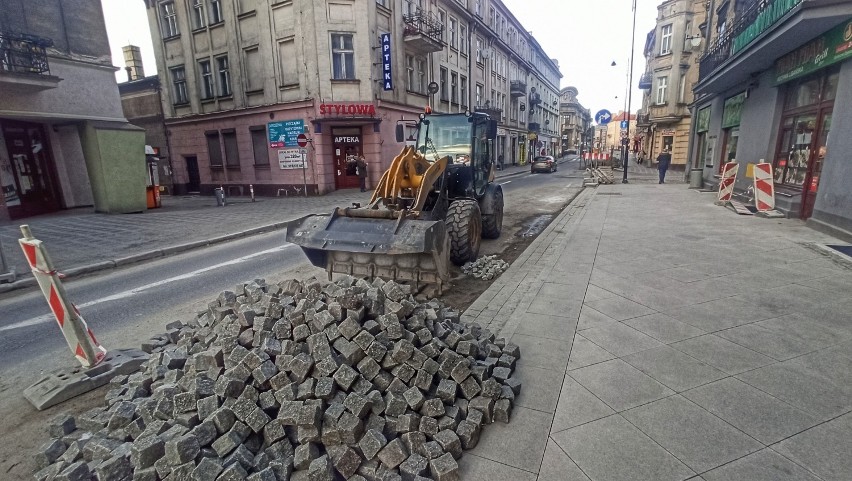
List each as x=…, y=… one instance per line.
x=492, y=222
x=464, y=228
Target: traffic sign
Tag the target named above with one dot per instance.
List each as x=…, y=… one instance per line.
x=302, y=140
x=603, y=117
x=624, y=124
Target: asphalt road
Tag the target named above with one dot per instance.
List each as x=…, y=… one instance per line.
x=125, y=306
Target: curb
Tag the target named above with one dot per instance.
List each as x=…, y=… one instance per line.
x=144, y=256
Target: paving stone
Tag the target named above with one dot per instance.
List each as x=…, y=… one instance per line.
x=514, y=384
x=501, y=373
x=502, y=410
x=444, y=468
x=182, y=450
x=116, y=468
x=234, y=472
x=449, y=442
x=358, y=405
x=304, y=455
x=428, y=426
x=415, y=465
x=484, y=405
x=351, y=428
x=414, y=398
x=468, y=432
x=414, y=442
x=49, y=453
x=407, y=422
x=393, y=454
x=345, y=377
x=432, y=450
x=469, y=388
x=371, y=443
x=61, y=425
x=266, y=474
x=321, y=469
x=78, y=471
x=346, y=461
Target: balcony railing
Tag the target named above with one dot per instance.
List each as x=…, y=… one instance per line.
x=517, y=88
x=23, y=53
x=423, y=31
x=646, y=81
x=760, y=17
x=643, y=119
x=534, y=127
x=495, y=113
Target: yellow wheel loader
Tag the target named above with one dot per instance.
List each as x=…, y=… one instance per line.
x=431, y=207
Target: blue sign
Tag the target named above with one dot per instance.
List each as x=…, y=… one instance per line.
x=624, y=124
x=603, y=117
x=284, y=133
x=387, y=77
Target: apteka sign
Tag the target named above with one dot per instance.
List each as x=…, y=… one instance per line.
x=387, y=76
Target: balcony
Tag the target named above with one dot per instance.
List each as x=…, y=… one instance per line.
x=517, y=88
x=643, y=120
x=534, y=127
x=646, y=81
x=495, y=113
x=23, y=62
x=423, y=32
x=535, y=99
x=763, y=32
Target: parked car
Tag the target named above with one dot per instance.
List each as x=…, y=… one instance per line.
x=544, y=163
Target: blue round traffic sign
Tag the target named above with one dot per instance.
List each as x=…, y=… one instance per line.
x=603, y=117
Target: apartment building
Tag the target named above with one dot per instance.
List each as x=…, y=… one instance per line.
x=243, y=78
x=575, y=121
x=671, y=51
x=64, y=141
x=775, y=86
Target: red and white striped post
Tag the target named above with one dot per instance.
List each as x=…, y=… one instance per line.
x=729, y=177
x=77, y=334
x=764, y=187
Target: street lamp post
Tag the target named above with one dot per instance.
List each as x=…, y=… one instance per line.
x=629, y=95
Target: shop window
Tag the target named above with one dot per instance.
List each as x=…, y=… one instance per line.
x=802, y=95
x=797, y=134
x=729, y=146
x=668, y=142
x=342, y=57
x=232, y=153
x=214, y=150
x=260, y=148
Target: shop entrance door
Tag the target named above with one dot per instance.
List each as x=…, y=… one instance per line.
x=809, y=191
x=346, y=147
x=30, y=190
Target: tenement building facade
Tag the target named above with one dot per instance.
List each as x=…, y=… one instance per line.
x=576, y=121
x=242, y=78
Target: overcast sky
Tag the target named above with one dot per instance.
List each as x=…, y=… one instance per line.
x=585, y=36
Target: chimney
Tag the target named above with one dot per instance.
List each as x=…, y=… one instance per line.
x=133, y=62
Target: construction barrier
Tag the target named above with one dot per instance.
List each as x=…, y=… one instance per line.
x=764, y=187
x=588, y=156
x=729, y=177
x=77, y=334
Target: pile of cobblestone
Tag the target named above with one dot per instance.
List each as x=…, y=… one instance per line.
x=299, y=380
x=485, y=267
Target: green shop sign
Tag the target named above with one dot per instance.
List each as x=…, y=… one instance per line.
x=763, y=22
x=703, y=120
x=829, y=48
x=733, y=111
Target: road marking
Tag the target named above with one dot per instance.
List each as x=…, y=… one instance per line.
x=507, y=182
x=125, y=294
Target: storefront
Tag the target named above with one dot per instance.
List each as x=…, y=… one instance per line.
x=27, y=171
x=346, y=146
x=731, y=116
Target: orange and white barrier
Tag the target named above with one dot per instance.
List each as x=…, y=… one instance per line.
x=729, y=177
x=764, y=187
x=595, y=156
x=77, y=334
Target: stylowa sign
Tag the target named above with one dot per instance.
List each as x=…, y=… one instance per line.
x=347, y=109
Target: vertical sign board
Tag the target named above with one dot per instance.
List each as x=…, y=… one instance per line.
x=387, y=77
x=285, y=133
x=291, y=159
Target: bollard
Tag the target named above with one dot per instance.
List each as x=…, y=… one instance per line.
x=251, y=191
x=77, y=334
x=219, y=193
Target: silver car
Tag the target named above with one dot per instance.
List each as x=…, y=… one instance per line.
x=544, y=163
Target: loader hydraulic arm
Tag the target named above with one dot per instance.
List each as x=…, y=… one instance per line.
x=409, y=179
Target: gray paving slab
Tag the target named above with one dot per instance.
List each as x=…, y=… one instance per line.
x=540, y=387
x=556, y=465
x=620, y=385
x=543, y=352
x=721, y=314
x=696, y=437
x=673, y=368
x=475, y=467
x=620, y=308
x=528, y=428
x=751, y=410
x=764, y=465
x=807, y=330
x=552, y=327
x=612, y=449
x=620, y=339
x=663, y=328
x=823, y=450
x=585, y=353
x=577, y=406
x=722, y=354
x=767, y=341
x=590, y=318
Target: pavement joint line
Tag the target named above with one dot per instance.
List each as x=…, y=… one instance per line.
x=501, y=463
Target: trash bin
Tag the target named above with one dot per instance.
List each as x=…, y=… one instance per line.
x=696, y=178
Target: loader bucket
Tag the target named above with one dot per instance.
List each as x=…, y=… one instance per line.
x=369, y=246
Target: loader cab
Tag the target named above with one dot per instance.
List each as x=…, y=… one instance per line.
x=467, y=139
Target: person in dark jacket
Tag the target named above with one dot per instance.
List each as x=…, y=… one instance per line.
x=362, y=172
x=663, y=162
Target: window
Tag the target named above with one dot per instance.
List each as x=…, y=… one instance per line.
x=208, y=90
x=492, y=18
x=232, y=153
x=179, y=82
x=421, y=75
x=452, y=35
x=198, y=14
x=214, y=151
x=415, y=74
x=224, y=76
x=254, y=67
x=413, y=6
x=409, y=70
x=170, y=26
x=259, y=146
x=384, y=3
x=666, y=39
x=681, y=93
x=463, y=93
x=342, y=57
x=463, y=39
x=478, y=50
x=662, y=85
x=286, y=54
x=687, y=32
x=477, y=8
x=444, y=93
x=478, y=95
x=454, y=88
x=215, y=12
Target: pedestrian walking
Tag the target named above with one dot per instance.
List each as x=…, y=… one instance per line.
x=642, y=156
x=663, y=162
x=361, y=166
